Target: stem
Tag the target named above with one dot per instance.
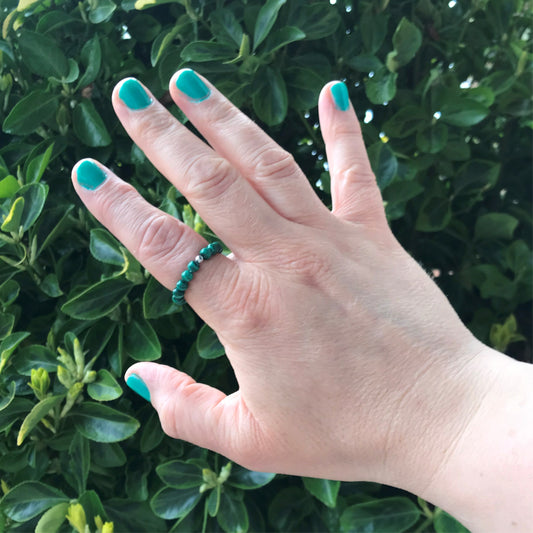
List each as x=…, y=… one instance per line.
x=309, y=129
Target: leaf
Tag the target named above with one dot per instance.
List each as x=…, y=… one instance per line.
x=7, y=320
x=495, y=226
x=42, y=55
x=180, y=474
x=89, y=126
x=200, y=51
x=104, y=247
x=134, y=517
x=34, y=356
x=29, y=499
x=445, y=523
x=270, y=100
x=232, y=515
x=79, y=461
x=39, y=411
x=38, y=165
x=152, y=434
x=381, y=88
x=103, y=424
x=12, y=221
x=288, y=508
x=265, y=20
x=156, y=300
x=324, y=490
x=476, y=176
x=282, y=37
x=388, y=514
x=384, y=163
x=8, y=186
x=34, y=196
x=435, y=214
x=50, y=286
x=373, y=28
x=433, y=139
x=317, y=20
x=225, y=26
x=101, y=10
x=406, y=40
x=105, y=388
x=144, y=28
x=245, y=479
x=108, y=455
x=6, y=400
x=9, y=291
x=458, y=110
x=405, y=122
x=140, y=340
x=171, y=503
x=208, y=345
x=30, y=112
x=53, y=519
x=91, y=57
x=491, y=282
x=98, y=300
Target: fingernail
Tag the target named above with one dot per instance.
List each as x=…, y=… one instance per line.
x=132, y=93
x=90, y=175
x=189, y=82
x=340, y=96
x=136, y=384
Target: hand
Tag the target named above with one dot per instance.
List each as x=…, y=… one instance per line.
x=351, y=363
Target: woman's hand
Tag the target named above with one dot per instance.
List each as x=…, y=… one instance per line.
x=351, y=363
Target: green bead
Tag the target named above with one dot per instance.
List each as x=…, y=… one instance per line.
x=178, y=300
x=187, y=275
x=182, y=285
x=215, y=247
x=193, y=266
x=206, y=253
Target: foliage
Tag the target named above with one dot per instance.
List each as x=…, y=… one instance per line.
x=443, y=89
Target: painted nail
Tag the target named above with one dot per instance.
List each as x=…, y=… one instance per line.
x=90, y=175
x=132, y=93
x=340, y=96
x=136, y=384
x=189, y=82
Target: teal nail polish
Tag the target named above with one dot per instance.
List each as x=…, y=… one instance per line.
x=132, y=93
x=188, y=82
x=340, y=96
x=136, y=384
x=90, y=175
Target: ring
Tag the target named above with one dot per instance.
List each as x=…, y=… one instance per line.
x=178, y=294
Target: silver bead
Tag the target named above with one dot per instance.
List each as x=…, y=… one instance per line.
x=198, y=259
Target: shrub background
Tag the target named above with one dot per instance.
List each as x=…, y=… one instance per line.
x=444, y=92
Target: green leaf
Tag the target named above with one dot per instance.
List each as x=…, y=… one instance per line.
x=270, y=100
x=91, y=57
x=389, y=514
x=42, y=55
x=445, y=523
x=364, y=63
x=140, y=340
x=30, y=112
x=152, y=434
x=54, y=20
x=265, y=20
x=490, y=282
x=303, y=86
x=104, y=247
x=9, y=291
x=39, y=411
x=245, y=479
x=103, y=424
x=79, y=461
x=373, y=28
x=225, y=26
x=53, y=519
x=105, y=388
x=317, y=20
x=232, y=515
x=101, y=10
x=171, y=503
x=381, y=88
x=435, y=214
x=405, y=122
x=384, y=163
x=8, y=186
x=17, y=408
x=7, y=321
x=6, y=400
x=406, y=40
x=108, y=455
x=433, y=139
x=29, y=499
x=12, y=221
x=156, y=300
x=144, y=28
x=201, y=51
x=34, y=356
x=495, y=226
x=50, y=286
x=134, y=517
x=98, y=300
x=208, y=345
x=476, y=176
x=180, y=475
x=89, y=126
x=459, y=111
x=38, y=165
x=282, y=37
x=324, y=490
x=9, y=344
x=34, y=196
x=289, y=507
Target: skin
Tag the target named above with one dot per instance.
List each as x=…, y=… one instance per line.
x=351, y=363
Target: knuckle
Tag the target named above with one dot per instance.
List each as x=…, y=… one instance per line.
x=209, y=177
x=159, y=235
x=274, y=162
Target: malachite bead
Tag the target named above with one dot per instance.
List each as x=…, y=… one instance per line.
x=193, y=266
x=215, y=247
x=182, y=285
x=187, y=275
x=178, y=300
x=206, y=252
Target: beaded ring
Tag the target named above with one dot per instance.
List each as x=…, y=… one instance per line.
x=178, y=294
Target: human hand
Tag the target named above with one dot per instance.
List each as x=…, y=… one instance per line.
x=351, y=363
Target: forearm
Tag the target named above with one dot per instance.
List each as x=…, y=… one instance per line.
x=486, y=481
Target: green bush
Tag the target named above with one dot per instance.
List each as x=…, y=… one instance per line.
x=444, y=92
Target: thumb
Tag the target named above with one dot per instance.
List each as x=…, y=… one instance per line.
x=191, y=411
